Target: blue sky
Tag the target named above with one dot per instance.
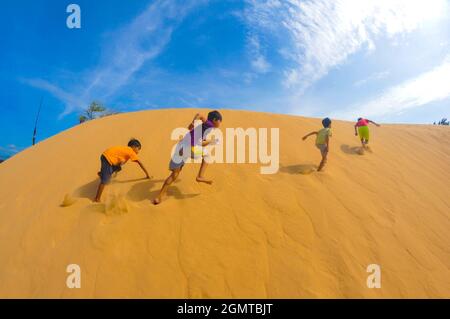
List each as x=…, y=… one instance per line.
x=388, y=60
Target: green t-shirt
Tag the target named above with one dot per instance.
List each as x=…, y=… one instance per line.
x=322, y=136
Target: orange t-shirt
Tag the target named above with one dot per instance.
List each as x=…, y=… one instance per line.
x=119, y=155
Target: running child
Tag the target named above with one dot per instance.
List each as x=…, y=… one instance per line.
x=362, y=128
x=112, y=160
x=322, y=141
x=177, y=161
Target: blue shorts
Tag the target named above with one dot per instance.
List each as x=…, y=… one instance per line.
x=107, y=170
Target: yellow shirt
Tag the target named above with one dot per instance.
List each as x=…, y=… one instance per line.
x=322, y=136
x=119, y=155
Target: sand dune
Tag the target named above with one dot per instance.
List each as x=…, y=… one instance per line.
x=294, y=234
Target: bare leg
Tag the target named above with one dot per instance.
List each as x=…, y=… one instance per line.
x=322, y=162
x=201, y=172
x=100, y=189
x=172, y=178
x=363, y=143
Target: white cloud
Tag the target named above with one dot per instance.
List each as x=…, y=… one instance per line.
x=258, y=60
x=322, y=34
x=426, y=88
x=374, y=77
x=132, y=46
x=260, y=64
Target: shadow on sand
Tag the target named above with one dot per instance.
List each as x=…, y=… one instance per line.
x=143, y=191
x=352, y=150
x=303, y=169
x=88, y=190
x=138, y=192
x=174, y=191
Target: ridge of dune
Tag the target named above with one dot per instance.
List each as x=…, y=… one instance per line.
x=293, y=234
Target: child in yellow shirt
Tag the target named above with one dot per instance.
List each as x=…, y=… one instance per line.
x=322, y=141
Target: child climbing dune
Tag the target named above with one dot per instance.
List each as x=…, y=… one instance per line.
x=322, y=141
x=112, y=160
x=362, y=129
x=177, y=162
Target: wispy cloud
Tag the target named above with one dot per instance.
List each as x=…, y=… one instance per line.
x=426, y=88
x=9, y=150
x=259, y=62
x=139, y=42
x=70, y=100
x=322, y=34
x=374, y=77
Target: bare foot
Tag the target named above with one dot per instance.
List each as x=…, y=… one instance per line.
x=156, y=201
x=96, y=200
x=203, y=180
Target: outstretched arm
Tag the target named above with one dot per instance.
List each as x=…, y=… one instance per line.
x=373, y=123
x=143, y=168
x=356, y=130
x=308, y=135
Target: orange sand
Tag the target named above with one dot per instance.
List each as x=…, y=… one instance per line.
x=290, y=235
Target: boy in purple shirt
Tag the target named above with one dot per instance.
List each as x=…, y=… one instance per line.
x=177, y=162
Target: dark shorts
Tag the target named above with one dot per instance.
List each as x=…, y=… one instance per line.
x=173, y=165
x=323, y=149
x=177, y=162
x=107, y=170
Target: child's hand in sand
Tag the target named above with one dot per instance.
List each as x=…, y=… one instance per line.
x=304, y=138
x=148, y=177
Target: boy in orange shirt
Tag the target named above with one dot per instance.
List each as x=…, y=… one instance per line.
x=113, y=158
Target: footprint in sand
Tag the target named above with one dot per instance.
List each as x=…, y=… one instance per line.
x=362, y=150
x=116, y=205
x=68, y=201
x=307, y=169
x=303, y=169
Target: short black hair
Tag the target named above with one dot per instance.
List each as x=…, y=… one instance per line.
x=214, y=116
x=326, y=122
x=359, y=118
x=134, y=143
